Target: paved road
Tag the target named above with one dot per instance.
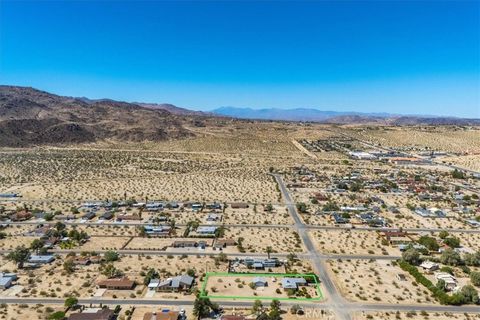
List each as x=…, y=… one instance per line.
x=237, y=225
x=337, y=301
x=230, y=255
x=351, y=307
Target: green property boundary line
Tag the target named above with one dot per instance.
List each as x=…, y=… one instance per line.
x=203, y=293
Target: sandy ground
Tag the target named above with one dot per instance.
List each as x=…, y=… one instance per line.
x=226, y=165
x=52, y=281
x=460, y=140
x=13, y=242
x=471, y=162
x=376, y=281
x=351, y=242
x=238, y=285
x=28, y=312
x=414, y=315
x=258, y=239
x=104, y=243
x=256, y=214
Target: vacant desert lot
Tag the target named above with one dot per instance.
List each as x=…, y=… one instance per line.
x=255, y=214
x=471, y=162
x=15, y=241
x=170, y=265
x=205, y=168
x=105, y=243
x=453, y=139
x=240, y=184
x=240, y=286
x=351, y=242
x=28, y=312
x=259, y=239
x=52, y=281
x=376, y=280
x=412, y=315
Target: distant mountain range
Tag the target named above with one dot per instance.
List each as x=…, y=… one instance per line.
x=32, y=117
x=297, y=114
x=315, y=115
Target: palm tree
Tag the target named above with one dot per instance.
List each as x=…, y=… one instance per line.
x=268, y=250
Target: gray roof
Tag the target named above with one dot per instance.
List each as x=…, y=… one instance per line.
x=5, y=282
x=292, y=283
x=259, y=279
x=206, y=229
x=176, y=282
x=41, y=259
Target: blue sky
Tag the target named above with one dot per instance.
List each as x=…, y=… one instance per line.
x=380, y=56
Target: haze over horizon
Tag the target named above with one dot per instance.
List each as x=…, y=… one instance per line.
x=373, y=57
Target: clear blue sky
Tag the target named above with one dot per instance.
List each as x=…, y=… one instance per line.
x=380, y=56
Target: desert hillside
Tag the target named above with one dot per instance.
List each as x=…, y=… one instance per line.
x=31, y=117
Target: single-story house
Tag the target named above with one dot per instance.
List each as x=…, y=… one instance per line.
x=49, y=242
x=339, y=219
x=450, y=281
x=196, y=206
x=178, y=283
x=239, y=205
x=91, y=204
x=184, y=244
x=117, y=284
x=259, y=282
x=6, y=280
x=107, y=216
x=293, y=283
x=40, y=231
x=396, y=237
x=429, y=266
x=9, y=195
x=41, y=259
x=213, y=217
x=89, y=215
x=93, y=314
x=261, y=263
x=206, y=230
x=155, y=206
x=157, y=230
x=223, y=243
x=214, y=206
x=21, y=216
x=162, y=315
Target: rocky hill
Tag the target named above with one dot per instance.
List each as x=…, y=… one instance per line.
x=32, y=117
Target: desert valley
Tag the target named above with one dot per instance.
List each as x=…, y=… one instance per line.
x=149, y=211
